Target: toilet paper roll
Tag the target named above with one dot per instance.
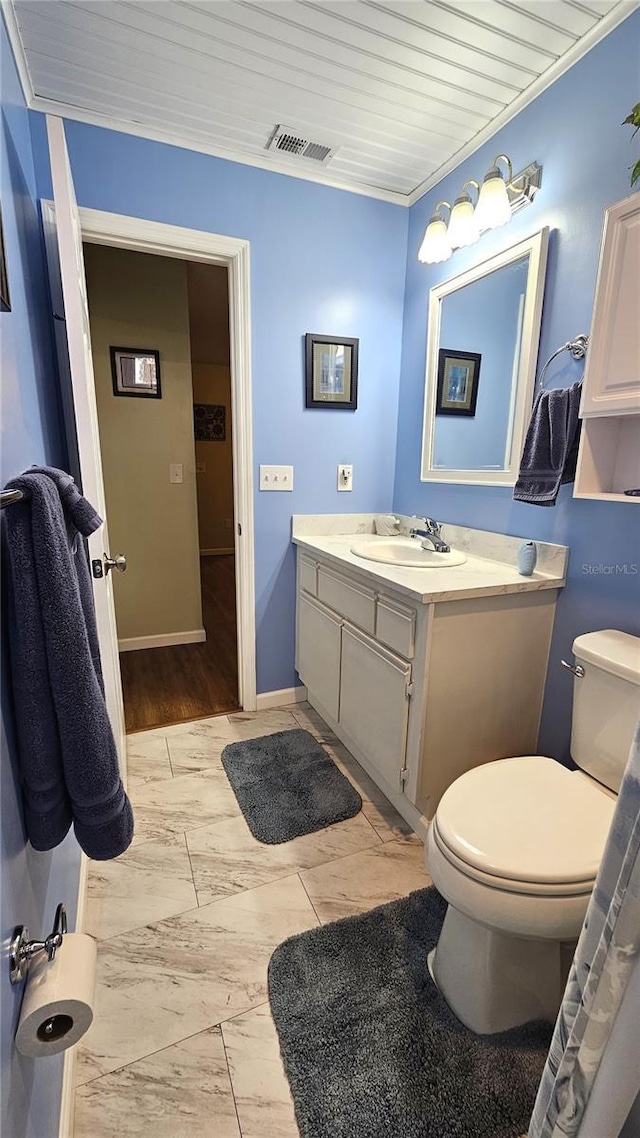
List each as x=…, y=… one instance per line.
x=58, y=1002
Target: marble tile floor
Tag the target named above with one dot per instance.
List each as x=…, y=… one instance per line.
x=186, y=922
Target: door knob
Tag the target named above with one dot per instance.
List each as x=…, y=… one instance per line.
x=118, y=562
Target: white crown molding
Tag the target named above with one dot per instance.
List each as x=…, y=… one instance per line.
x=261, y=161
x=581, y=48
x=17, y=47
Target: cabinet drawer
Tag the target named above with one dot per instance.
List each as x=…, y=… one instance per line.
x=356, y=602
x=395, y=626
x=307, y=575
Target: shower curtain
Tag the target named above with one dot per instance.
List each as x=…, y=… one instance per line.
x=609, y=946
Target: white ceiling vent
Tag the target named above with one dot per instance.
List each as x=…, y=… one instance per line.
x=288, y=140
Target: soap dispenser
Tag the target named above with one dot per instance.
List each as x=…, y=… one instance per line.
x=527, y=557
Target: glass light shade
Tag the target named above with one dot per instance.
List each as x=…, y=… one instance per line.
x=463, y=227
x=493, y=208
x=435, y=245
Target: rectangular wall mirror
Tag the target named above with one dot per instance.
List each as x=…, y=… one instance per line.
x=482, y=349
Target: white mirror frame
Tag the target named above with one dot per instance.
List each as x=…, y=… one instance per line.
x=521, y=390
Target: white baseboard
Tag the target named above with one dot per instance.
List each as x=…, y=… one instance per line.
x=280, y=698
x=217, y=552
x=163, y=640
x=68, y=1095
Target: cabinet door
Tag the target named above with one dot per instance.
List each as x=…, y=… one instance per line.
x=374, y=702
x=612, y=373
x=318, y=652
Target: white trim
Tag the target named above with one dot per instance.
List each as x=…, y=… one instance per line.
x=536, y=248
x=162, y=640
x=581, y=47
x=68, y=1095
x=281, y=698
x=217, y=552
x=122, y=231
x=260, y=161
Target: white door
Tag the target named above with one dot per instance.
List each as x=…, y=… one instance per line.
x=70, y=268
x=374, y=702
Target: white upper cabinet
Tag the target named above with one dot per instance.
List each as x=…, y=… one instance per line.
x=612, y=375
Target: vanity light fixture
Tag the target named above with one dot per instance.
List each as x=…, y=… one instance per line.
x=499, y=197
x=436, y=245
x=463, y=224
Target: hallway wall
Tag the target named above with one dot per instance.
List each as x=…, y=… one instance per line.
x=214, y=462
x=139, y=300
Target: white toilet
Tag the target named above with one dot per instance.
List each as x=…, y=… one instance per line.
x=515, y=846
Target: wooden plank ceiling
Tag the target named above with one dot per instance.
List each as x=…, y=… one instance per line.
x=399, y=87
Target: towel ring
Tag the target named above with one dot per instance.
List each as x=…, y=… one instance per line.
x=578, y=349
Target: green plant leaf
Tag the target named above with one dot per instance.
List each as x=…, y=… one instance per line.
x=635, y=173
x=633, y=118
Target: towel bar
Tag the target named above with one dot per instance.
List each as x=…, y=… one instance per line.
x=8, y=497
x=578, y=348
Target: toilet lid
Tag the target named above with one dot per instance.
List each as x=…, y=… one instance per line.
x=527, y=819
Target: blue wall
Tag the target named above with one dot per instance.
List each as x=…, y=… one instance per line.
x=482, y=317
x=574, y=130
x=322, y=260
x=32, y=883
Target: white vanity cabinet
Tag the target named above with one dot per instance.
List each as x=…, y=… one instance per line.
x=421, y=692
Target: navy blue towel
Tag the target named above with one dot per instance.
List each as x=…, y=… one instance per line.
x=67, y=753
x=551, y=446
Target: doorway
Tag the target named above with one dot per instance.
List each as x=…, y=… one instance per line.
x=167, y=459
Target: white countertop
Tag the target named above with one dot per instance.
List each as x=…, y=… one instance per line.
x=478, y=577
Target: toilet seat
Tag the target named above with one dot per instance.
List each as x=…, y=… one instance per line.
x=525, y=825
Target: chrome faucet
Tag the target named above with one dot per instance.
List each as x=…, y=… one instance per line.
x=431, y=533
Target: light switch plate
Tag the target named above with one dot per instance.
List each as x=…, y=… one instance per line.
x=345, y=477
x=175, y=472
x=276, y=478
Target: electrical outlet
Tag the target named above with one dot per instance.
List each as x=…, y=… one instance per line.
x=276, y=478
x=175, y=472
x=345, y=477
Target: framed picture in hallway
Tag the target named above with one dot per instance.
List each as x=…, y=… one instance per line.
x=210, y=422
x=458, y=374
x=331, y=372
x=136, y=372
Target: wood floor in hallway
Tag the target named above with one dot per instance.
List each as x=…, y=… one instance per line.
x=174, y=685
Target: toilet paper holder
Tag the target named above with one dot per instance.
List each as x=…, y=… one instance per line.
x=22, y=950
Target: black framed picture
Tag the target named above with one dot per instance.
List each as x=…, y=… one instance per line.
x=136, y=372
x=331, y=372
x=458, y=375
x=5, y=301
x=210, y=422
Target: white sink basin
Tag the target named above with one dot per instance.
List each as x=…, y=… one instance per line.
x=406, y=551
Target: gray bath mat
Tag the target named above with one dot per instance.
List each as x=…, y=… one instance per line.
x=371, y=1049
x=287, y=785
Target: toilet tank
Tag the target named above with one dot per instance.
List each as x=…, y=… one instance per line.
x=606, y=703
